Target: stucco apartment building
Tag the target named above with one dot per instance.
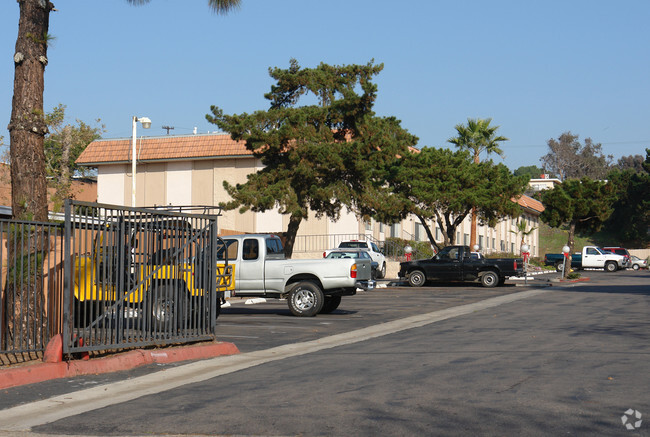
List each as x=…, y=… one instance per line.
x=190, y=170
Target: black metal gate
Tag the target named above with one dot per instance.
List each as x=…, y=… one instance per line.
x=140, y=276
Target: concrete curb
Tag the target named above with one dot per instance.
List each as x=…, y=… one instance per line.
x=39, y=372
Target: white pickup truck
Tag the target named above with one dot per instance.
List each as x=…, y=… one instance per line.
x=590, y=257
x=311, y=286
x=376, y=254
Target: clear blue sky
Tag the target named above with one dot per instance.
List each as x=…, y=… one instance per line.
x=537, y=69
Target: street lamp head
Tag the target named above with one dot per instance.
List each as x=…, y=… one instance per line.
x=146, y=122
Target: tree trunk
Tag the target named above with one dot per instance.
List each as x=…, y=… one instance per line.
x=432, y=240
x=27, y=127
x=473, y=227
x=472, y=237
x=292, y=231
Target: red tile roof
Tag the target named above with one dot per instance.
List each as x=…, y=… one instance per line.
x=165, y=148
x=530, y=203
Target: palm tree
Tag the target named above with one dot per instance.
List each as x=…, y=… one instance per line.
x=218, y=6
x=477, y=136
x=27, y=127
x=521, y=229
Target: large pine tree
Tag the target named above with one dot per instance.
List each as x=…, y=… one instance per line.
x=322, y=156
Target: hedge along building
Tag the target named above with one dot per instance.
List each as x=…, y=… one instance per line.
x=190, y=170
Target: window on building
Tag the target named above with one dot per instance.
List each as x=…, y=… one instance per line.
x=480, y=241
x=465, y=239
x=368, y=225
x=438, y=234
x=395, y=230
x=512, y=247
x=503, y=246
x=381, y=227
x=494, y=243
x=457, y=237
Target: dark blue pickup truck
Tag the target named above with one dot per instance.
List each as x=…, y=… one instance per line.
x=557, y=260
x=456, y=264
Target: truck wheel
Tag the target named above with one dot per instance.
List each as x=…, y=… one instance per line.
x=305, y=299
x=489, y=279
x=610, y=266
x=559, y=266
x=331, y=303
x=417, y=278
x=165, y=309
x=381, y=273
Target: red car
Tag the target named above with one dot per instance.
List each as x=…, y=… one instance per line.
x=619, y=251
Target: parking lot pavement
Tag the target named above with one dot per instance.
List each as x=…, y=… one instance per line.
x=564, y=360
x=270, y=324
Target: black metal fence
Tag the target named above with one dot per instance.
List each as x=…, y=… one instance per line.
x=111, y=277
x=32, y=281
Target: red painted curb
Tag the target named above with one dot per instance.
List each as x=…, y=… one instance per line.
x=39, y=372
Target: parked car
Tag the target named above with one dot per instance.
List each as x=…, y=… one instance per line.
x=619, y=251
x=355, y=254
x=376, y=254
x=637, y=263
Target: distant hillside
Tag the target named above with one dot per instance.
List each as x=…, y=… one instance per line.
x=551, y=240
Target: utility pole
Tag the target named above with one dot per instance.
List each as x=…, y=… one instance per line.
x=168, y=128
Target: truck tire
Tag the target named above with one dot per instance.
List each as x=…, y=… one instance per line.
x=381, y=273
x=305, y=299
x=610, y=266
x=559, y=266
x=417, y=278
x=489, y=279
x=331, y=303
x=165, y=309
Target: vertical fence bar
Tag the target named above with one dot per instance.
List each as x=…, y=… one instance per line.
x=67, y=278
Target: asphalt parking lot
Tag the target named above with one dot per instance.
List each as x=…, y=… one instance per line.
x=570, y=359
x=262, y=325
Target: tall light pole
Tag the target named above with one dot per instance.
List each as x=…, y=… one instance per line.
x=146, y=124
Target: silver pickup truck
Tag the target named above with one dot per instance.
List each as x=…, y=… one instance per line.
x=311, y=286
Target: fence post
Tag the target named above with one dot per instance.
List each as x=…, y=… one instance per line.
x=67, y=276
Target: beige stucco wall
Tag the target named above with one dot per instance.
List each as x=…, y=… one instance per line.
x=178, y=183
x=111, y=184
x=154, y=184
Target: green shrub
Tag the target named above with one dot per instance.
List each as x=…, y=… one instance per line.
x=394, y=248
